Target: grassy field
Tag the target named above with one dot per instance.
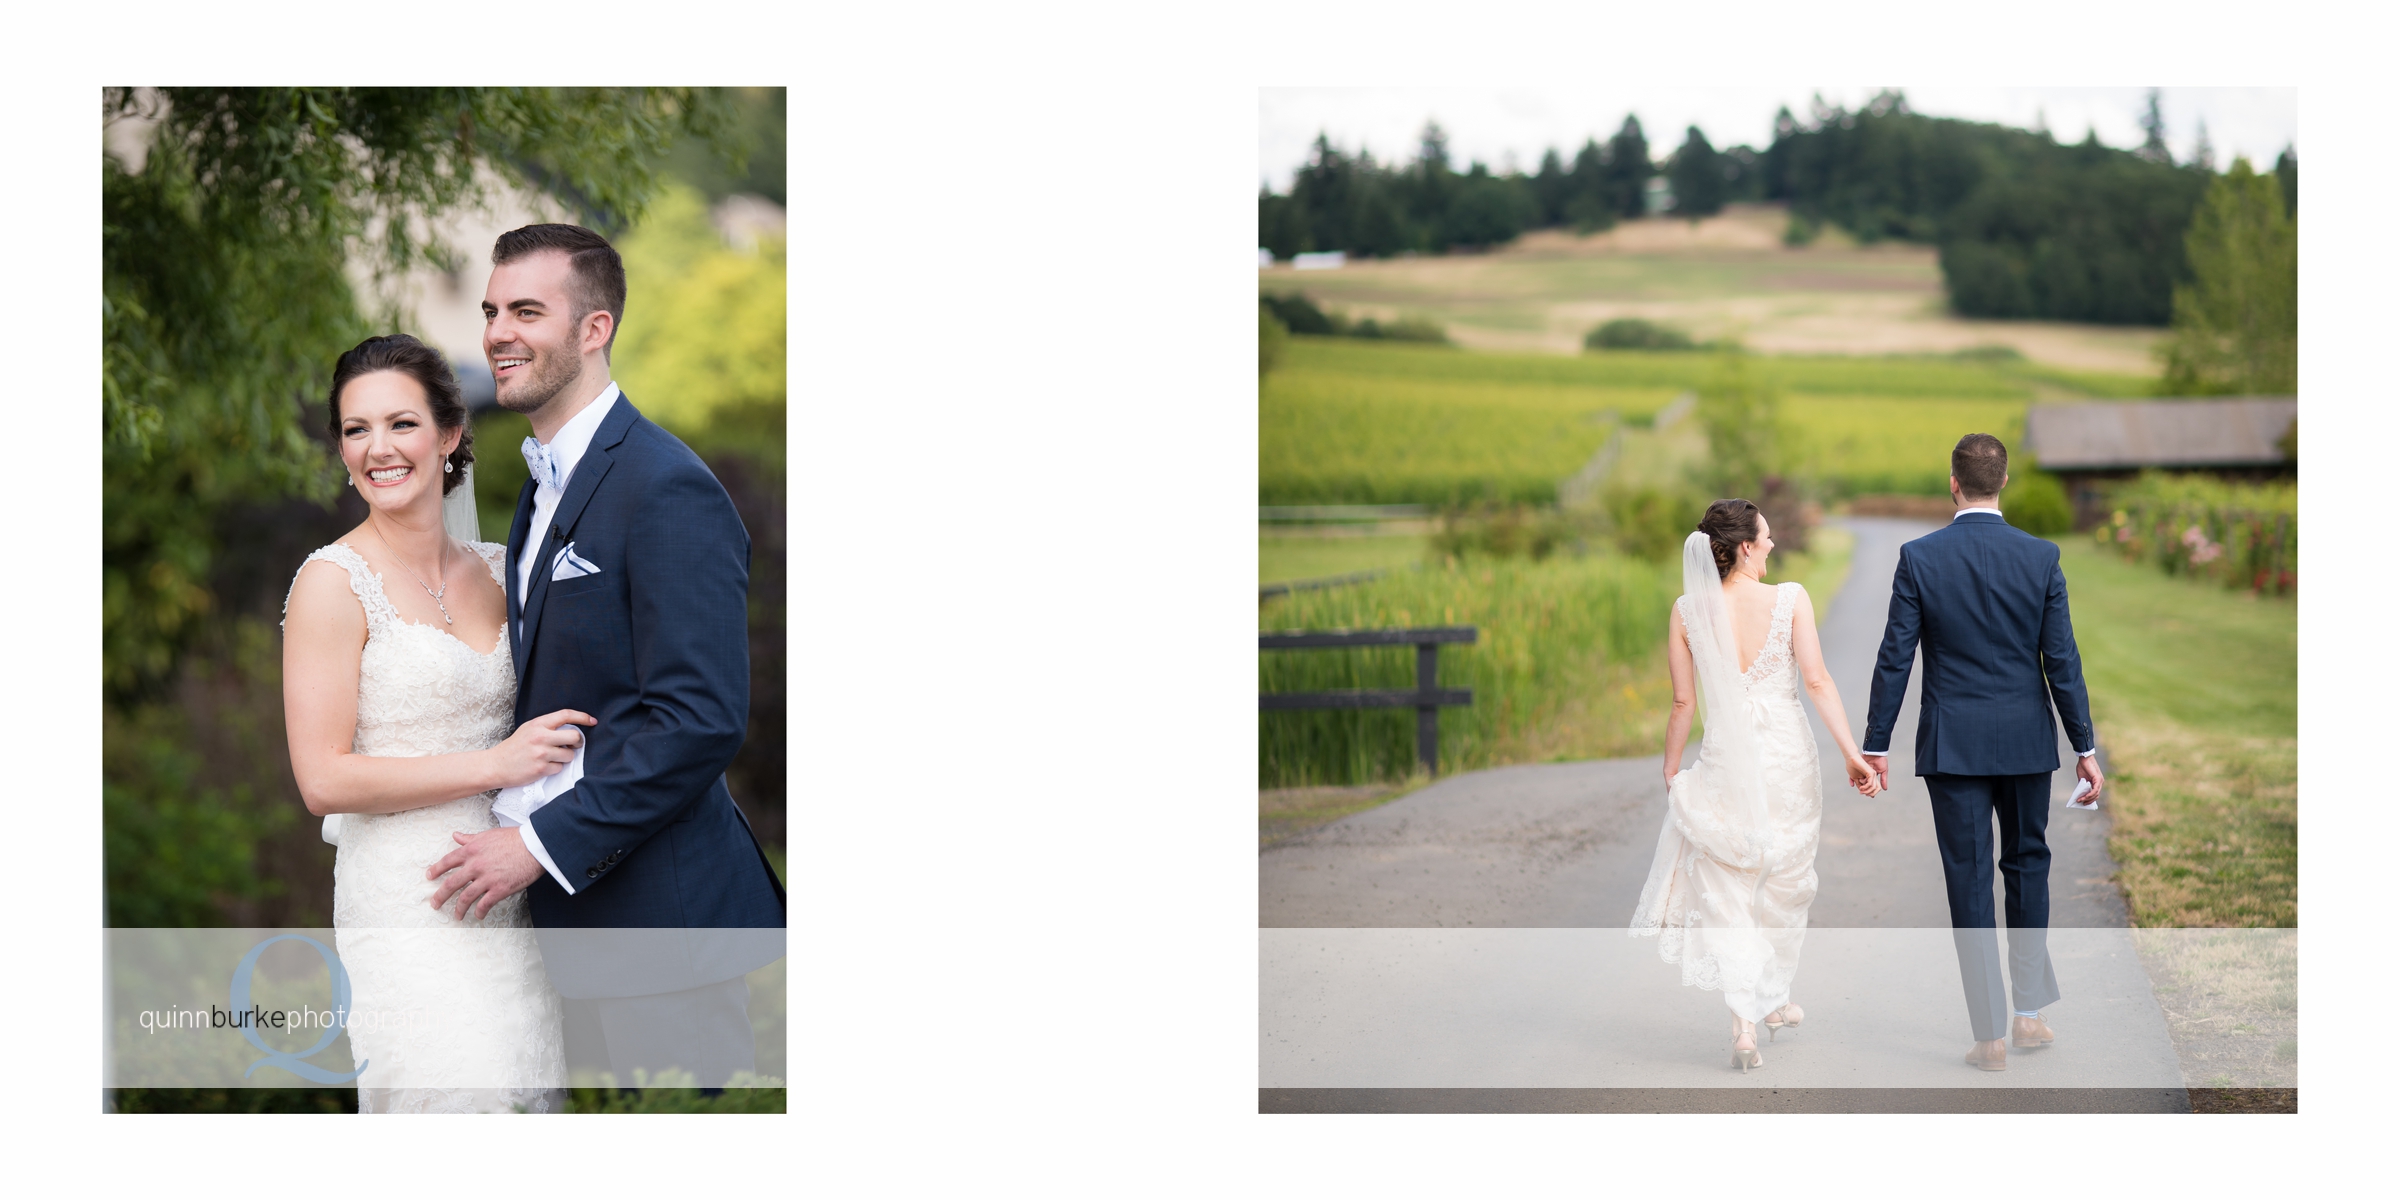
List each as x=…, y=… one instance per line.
x=1566, y=668
x=2195, y=692
x=1571, y=665
x=1726, y=276
x=1360, y=422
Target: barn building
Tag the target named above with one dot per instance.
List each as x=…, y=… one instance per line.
x=2091, y=444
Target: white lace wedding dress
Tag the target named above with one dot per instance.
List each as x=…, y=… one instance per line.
x=447, y=1016
x=1725, y=898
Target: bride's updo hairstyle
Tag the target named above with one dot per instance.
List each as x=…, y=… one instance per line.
x=405, y=354
x=1728, y=524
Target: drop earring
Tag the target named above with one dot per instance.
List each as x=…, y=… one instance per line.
x=447, y=467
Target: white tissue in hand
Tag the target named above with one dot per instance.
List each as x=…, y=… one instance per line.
x=2083, y=789
x=516, y=805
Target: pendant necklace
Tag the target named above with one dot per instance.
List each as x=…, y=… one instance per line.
x=445, y=563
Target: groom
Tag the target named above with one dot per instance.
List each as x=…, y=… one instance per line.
x=1987, y=603
x=628, y=583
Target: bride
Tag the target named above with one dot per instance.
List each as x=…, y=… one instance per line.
x=397, y=703
x=1729, y=889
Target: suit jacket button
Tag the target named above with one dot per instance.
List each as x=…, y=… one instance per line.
x=592, y=873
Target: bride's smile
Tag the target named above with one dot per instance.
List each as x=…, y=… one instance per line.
x=390, y=443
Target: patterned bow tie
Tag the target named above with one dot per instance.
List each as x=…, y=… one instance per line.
x=543, y=466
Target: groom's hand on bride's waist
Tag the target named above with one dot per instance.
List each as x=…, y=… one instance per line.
x=486, y=869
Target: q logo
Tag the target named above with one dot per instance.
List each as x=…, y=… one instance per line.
x=240, y=1001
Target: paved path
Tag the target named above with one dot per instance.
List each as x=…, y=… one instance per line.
x=1564, y=848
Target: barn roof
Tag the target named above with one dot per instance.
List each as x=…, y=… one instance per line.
x=2234, y=431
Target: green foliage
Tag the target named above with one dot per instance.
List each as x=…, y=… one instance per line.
x=1634, y=333
x=1501, y=531
x=1742, y=412
x=175, y=851
x=224, y=299
x=1273, y=337
x=1650, y=521
x=1401, y=329
x=1350, y=202
x=704, y=325
x=2027, y=227
x=2036, y=502
x=1699, y=176
x=756, y=137
x=2237, y=324
x=1298, y=313
x=1564, y=665
x=233, y=1100
x=2242, y=535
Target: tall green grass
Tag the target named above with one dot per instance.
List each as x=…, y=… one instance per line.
x=1569, y=666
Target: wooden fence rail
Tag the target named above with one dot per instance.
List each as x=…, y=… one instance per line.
x=1427, y=698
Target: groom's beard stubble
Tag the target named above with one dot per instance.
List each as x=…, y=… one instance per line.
x=550, y=373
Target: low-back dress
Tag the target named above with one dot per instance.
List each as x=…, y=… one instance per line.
x=1734, y=929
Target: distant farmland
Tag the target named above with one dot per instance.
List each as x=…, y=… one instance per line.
x=1356, y=422
x=1726, y=276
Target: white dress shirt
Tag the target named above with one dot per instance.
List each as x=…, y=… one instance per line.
x=1954, y=516
x=566, y=449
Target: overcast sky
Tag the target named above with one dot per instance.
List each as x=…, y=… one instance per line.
x=1494, y=125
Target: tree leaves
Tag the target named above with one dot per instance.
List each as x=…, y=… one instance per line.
x=2237, y=324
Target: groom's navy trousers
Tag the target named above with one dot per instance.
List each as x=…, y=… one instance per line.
x=1986, y=604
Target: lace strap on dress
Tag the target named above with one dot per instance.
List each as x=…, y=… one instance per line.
x=364, y=583
x=1779, y=627
x=495, y=556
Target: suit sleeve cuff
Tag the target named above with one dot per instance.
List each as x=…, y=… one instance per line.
x=1884, y=752
x=533, y=842
x=2087, y=753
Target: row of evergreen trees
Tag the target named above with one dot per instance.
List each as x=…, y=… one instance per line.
x=2027, y=226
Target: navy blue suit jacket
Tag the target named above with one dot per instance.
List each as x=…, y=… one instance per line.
x=655, y=645
x=1988, y=604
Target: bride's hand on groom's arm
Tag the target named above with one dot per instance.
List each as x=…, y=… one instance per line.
x=542, y=746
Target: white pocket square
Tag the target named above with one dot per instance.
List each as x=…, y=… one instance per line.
x=570, y=565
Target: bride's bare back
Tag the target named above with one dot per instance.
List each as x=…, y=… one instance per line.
x=1751, y=605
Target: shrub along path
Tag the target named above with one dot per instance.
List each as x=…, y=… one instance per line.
x=1567, y=846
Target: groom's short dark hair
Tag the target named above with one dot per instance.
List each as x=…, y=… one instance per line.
x=1980, y=464
x=598, y=273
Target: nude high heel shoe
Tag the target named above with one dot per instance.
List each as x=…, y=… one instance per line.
x=1745, y=1049
x=1786, y=1017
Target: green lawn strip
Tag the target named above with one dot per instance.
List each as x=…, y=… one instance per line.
x=2195, y=692
x=1283, y=558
